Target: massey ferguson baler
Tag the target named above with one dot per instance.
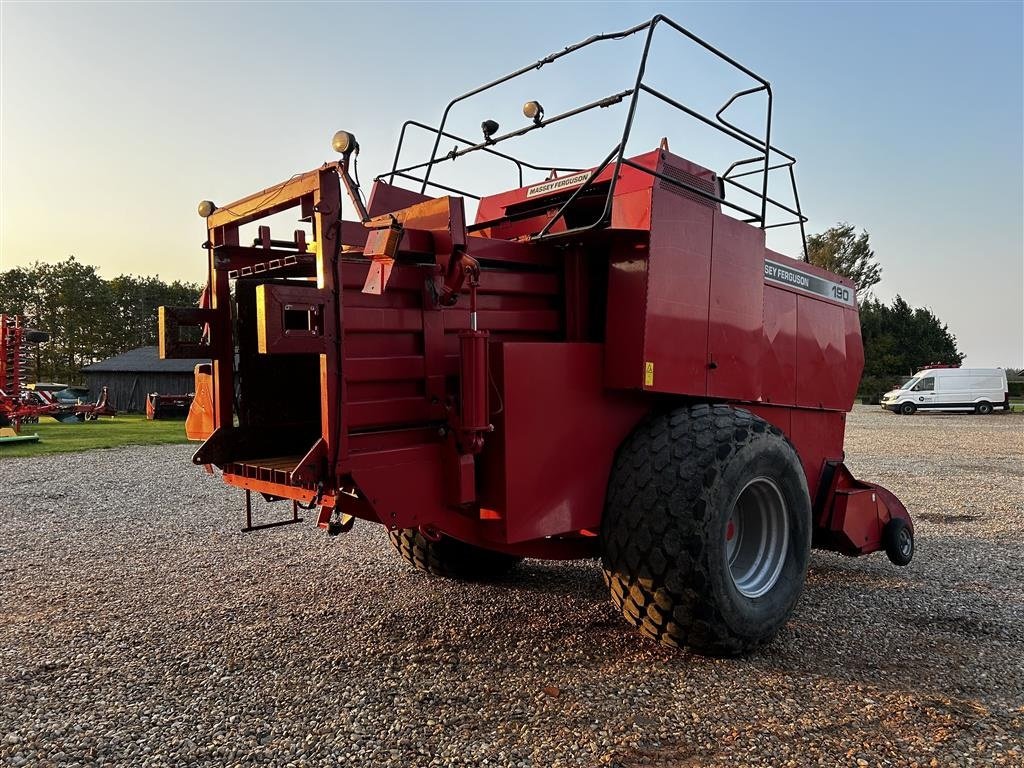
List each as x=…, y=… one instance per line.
x=606, y=362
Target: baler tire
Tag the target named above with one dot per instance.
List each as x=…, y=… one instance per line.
x=450, y=557
x=671, y=499
x=907, y=409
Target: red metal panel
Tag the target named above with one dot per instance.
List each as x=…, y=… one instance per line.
x=379, y=413
x=857, y=514
x=854, y=358
x=493, y=207
x=675, y=340
x=273, y=305
x=816, y=435
x=558, y=431
x=626, y=315
x=403, y=486
x=778, y=357
x=505, y=320
x=398, y=367
x=632, y=210
x=404, y=277
x=736, y=310
x=385, y=198
x=822, y=377
x=382, y=319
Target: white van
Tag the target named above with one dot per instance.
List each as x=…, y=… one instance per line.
x=951, y=389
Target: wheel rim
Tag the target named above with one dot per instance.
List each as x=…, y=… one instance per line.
x=757, y=537
x=905, y=543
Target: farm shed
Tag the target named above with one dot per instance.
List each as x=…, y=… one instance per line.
x=132, y=375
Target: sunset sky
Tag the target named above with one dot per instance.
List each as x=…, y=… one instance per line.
x=907, y=121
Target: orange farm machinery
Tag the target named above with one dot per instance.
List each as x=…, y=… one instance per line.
x=608, y=362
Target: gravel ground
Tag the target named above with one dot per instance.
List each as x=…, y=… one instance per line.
x=139, y=627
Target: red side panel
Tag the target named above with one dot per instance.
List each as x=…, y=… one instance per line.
x=556, y=435
x=856, y=516
x=735, y=322
x=818, y=437
x=821, y=355
x=854, y=356
x=679, y=275
x=385, y=198
x=778, y=358
x=625, y=318
x=632, y=210
x=494, y=207
x=405, y=486
x=829, y=351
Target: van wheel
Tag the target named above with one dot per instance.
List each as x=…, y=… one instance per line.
x=983, y=408
x=907, y=408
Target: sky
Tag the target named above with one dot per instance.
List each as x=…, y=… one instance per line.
x=907, y=121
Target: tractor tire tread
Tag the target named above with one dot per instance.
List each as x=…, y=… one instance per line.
x=450, y=558
x=672, y=604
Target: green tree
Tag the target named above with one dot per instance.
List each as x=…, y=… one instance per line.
x=88, y=318
x=841, y=250
x=899, y=340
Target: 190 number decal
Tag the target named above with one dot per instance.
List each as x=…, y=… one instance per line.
x=841, y=293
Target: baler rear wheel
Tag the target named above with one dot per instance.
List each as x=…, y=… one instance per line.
x=899, y=541
x=707, y=528
x=450, y=557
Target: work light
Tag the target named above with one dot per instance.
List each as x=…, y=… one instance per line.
x=344, y=143
x=534, y=111
x=206, y=208
x=488, y=128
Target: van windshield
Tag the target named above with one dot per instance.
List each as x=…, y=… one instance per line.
x=909, y=383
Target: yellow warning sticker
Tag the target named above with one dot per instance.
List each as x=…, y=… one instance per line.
x=649, y=374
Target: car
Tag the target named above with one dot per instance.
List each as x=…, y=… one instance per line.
x=72, y=396
x=981, y=390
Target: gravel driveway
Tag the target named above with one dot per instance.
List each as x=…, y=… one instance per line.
x=139, y=627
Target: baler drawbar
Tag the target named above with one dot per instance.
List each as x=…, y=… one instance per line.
x=606, y=361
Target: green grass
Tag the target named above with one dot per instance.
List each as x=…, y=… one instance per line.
x=130, y=429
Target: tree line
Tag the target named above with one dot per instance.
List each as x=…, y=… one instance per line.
x=88, y=318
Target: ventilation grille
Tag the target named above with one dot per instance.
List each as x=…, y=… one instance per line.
x=710, y=186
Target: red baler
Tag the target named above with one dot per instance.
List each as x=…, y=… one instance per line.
x=605, y=362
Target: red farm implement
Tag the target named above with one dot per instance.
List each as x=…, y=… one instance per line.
x=606, y=362
x=21, y=404
x=14, y=410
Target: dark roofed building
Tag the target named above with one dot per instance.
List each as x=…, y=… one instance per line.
x=132, y=375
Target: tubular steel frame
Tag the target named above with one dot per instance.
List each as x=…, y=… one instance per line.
x=762, y=146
